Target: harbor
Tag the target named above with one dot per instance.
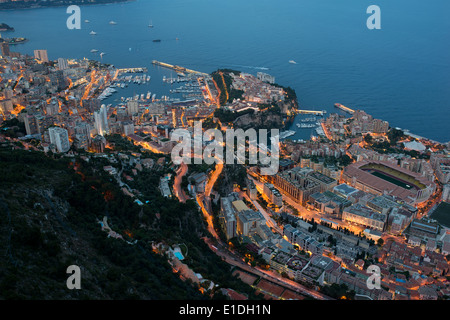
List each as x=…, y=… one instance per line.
x=135, y=84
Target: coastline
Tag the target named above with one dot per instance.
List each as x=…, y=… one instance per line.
x=279, y=69
x=29, y=6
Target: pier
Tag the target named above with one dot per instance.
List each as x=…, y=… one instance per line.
x=316, y=112
x=344, y=108
x=132, y=70
x=177, y=68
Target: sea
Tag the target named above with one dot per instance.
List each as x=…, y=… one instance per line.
x=399, y=73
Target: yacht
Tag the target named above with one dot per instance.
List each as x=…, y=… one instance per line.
x=150, y=25
x=93, y=33
x=292, y=62
x=86, y=21
x=94, y=50
x=112, y=22
x=286, y=134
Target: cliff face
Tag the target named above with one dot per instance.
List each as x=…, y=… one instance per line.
x=260, y=120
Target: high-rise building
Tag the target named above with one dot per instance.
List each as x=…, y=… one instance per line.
x=5, y=49
x=101, y=120
x=446, y=193
x=81, y=141
x=60, y=138
x=380, y=126
x=91, y=105
x=8, y=93
x=132, y=107
x=98, y=144
x=52, y=108
x=128, y=128
x=83, y=128
x=62, y=64
x=6, y=106
x=31, y=124
x=41, y=55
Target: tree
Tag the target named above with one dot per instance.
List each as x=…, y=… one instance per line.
x=380, y=242
x=368, y=138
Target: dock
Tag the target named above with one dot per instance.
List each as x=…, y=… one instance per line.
x=177, y=68
x=344, y=108
x=132, y=70
x=316, y=112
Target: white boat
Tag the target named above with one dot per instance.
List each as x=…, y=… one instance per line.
x=150, y=25
x=86, y=21
x=149, y=94
x=307, y=125
x=286, y=134
x=94, y=50
x=93, y=33
x=320, y=131
x=112, y=22
x=154, y=96
x=292, y=62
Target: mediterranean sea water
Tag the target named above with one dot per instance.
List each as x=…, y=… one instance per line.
x=400, y=73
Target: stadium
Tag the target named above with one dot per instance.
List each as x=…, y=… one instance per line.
x=382, y=177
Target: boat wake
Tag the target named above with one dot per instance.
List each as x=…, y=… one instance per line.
x=250, y=67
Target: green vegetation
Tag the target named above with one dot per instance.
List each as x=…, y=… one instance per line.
x=227, y=116
x=5, y=27
x=338, y=291
x=291, y=95
x=395, y=135
x=13, y=128
x=224, y=85
x=49, y=220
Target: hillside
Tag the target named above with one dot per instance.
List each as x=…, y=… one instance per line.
x=48, y=221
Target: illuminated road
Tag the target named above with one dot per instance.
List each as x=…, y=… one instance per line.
x=233, y=260
x=204, y=199
x=212, y=180
x=311, y=214
x=269, y=221
x=272, y=276
x=179, y=192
